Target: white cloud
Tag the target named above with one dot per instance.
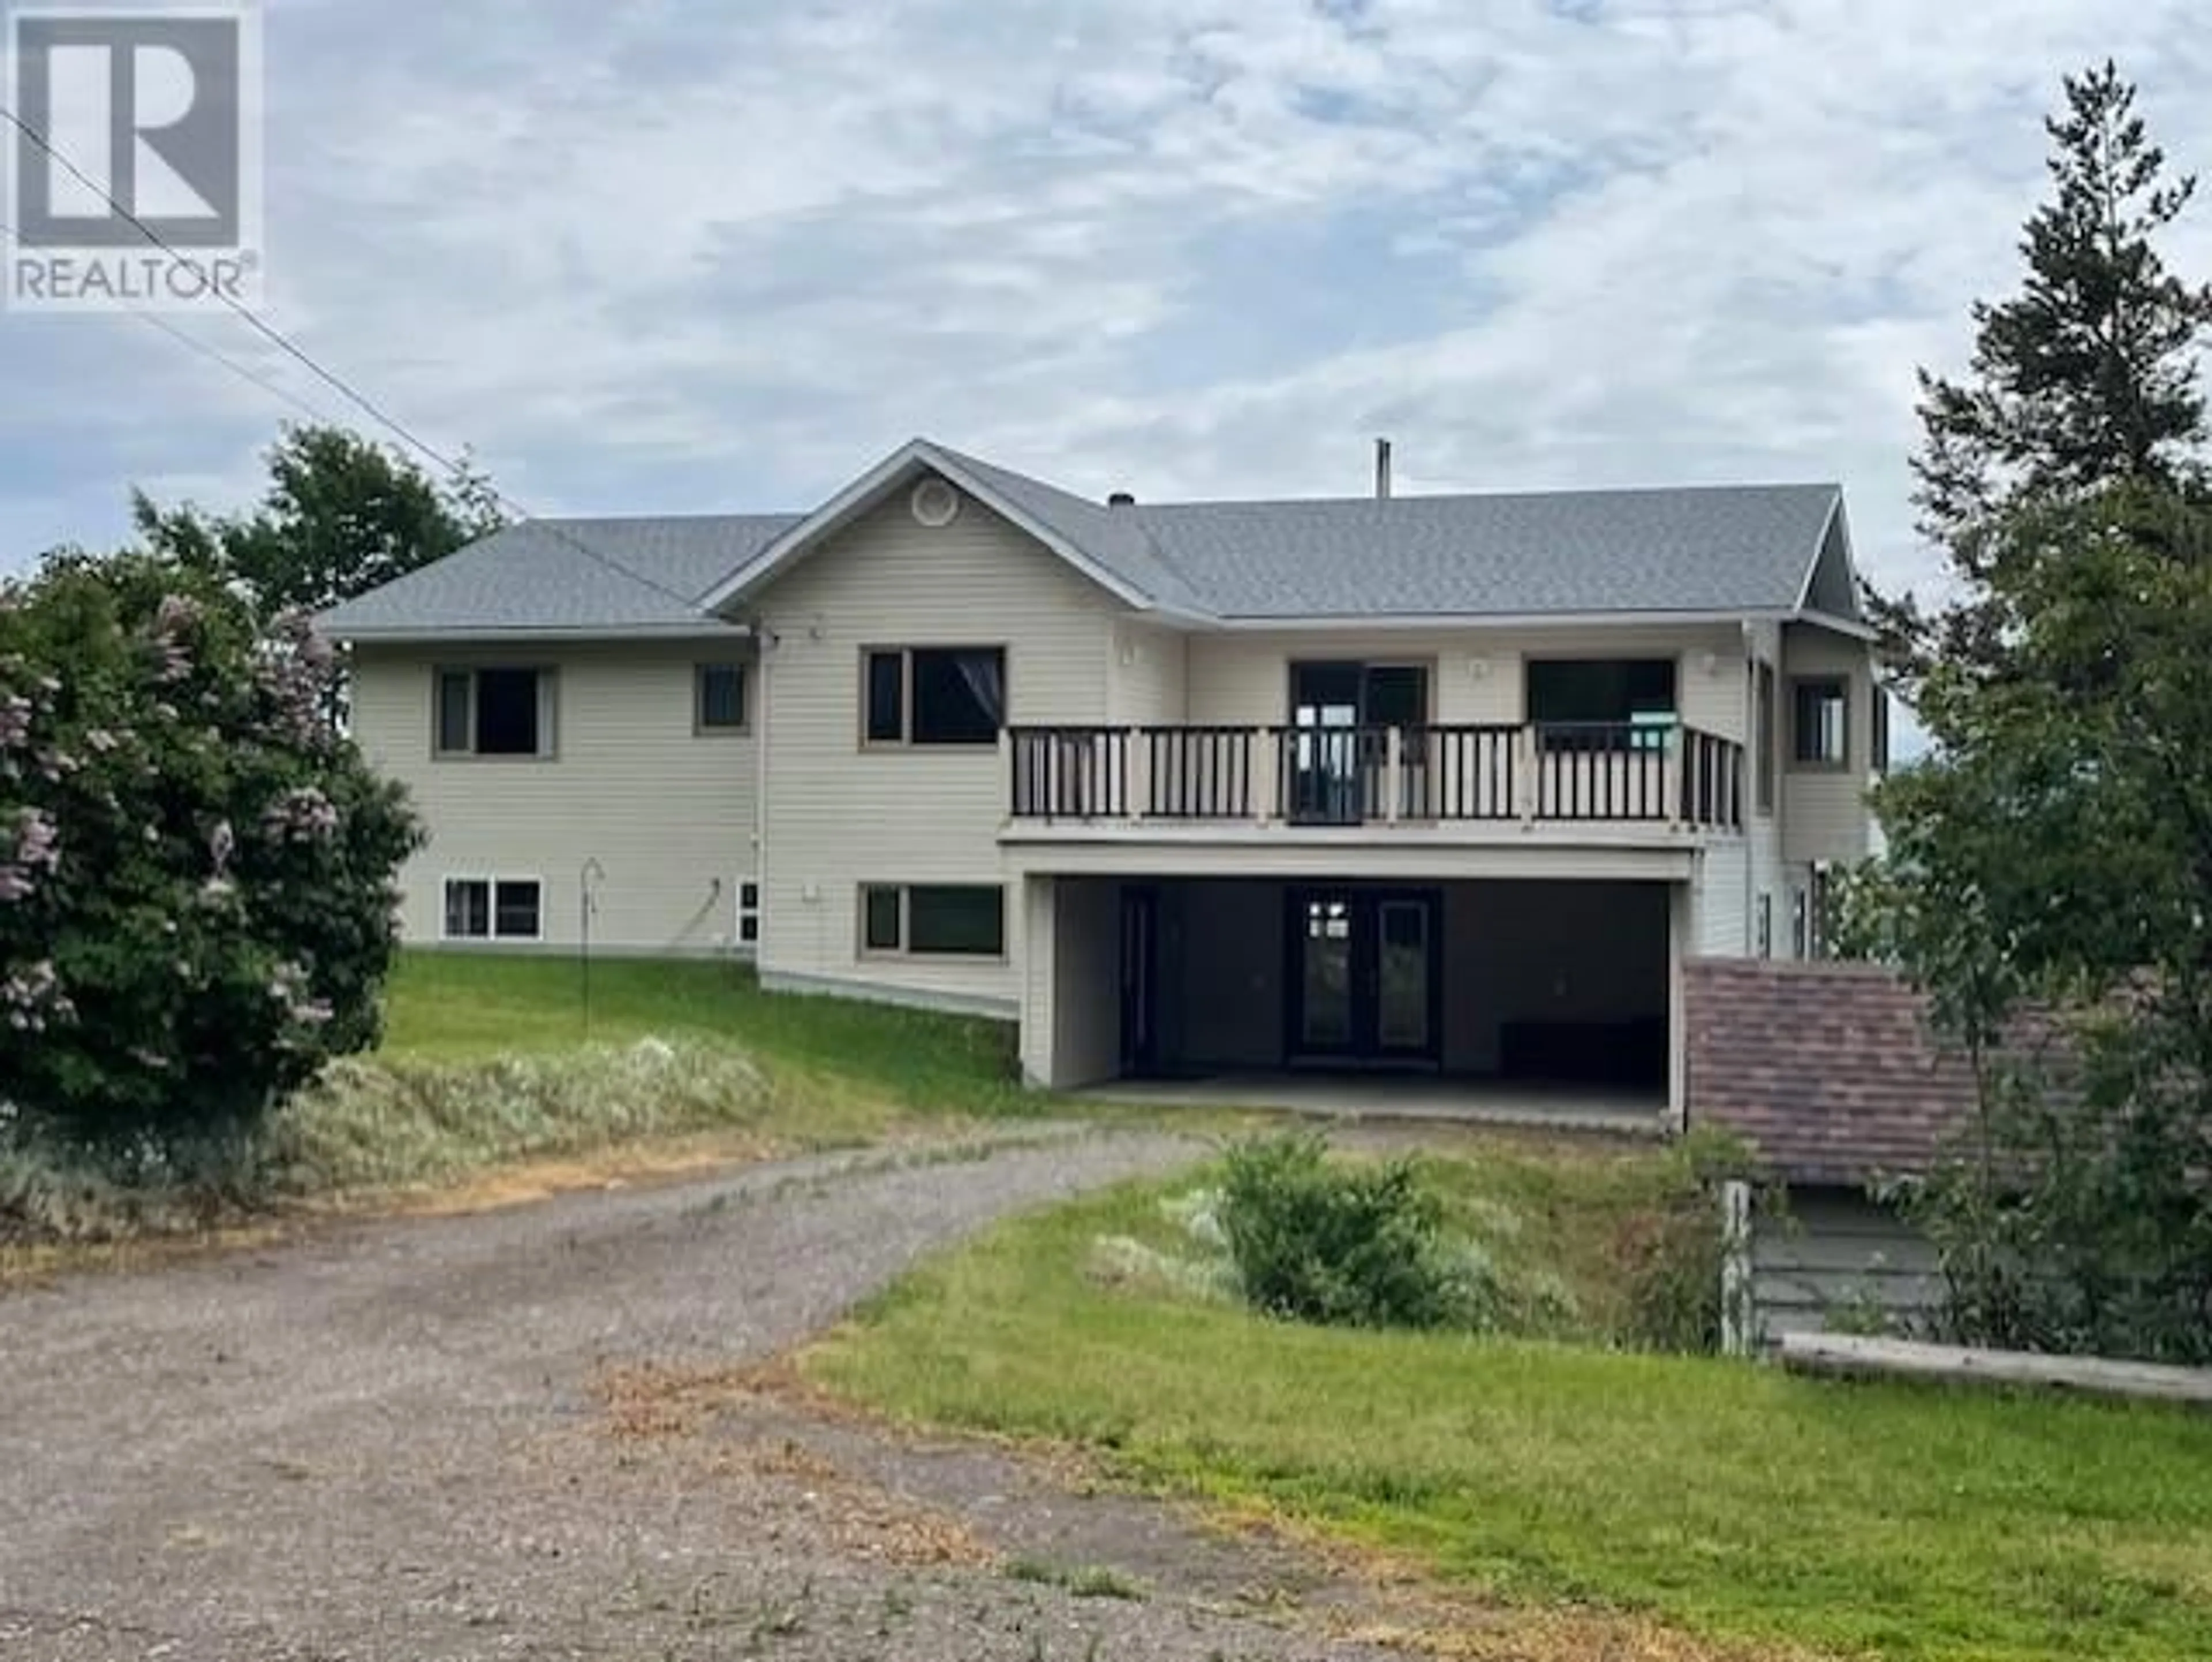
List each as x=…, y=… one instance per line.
x=683, y=256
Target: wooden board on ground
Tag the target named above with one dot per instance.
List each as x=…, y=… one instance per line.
x=1877, y=1358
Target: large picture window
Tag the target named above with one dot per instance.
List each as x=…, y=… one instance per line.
x=1602, y=704
x=933, y=694
x=951, y=920
x=494, y=712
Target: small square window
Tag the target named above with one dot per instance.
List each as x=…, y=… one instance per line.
x=468, y=909
x=515, y=912
x=1821, y=722
x=721, y=706
x=882, y=912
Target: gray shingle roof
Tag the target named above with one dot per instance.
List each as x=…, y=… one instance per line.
x=637, y=574
x=1114, y=537
x=1725, y=549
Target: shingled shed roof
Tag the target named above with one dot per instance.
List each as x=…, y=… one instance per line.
x=1829, y=1069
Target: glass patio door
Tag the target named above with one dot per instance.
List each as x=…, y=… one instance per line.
x=1363, y=974
x=1340, y=714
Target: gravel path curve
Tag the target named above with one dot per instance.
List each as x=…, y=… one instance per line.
x=389, y=1442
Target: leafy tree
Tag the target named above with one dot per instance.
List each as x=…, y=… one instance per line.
x=2050, y=880
x=2085, y=379
x=196, y=873
x=341, y=516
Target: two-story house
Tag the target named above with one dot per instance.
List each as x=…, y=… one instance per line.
x=1440, y=784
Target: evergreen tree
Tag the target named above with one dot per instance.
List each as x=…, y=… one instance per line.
x=2087, y=378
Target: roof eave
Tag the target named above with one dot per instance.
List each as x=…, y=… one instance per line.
x=705, y=628
x=1505, y=620
x=863, y=493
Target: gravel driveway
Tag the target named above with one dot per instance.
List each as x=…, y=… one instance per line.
x=396, y=1441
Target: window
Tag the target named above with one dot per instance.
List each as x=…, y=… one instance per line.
x=1767, y=926
x=1801, y=922
x=933, y=920
x=494, y=712
x=1821, y=720
x=1602, y=704
x=748, y=914
x=883, y=915
x=1880, y=763
x=719, y=698
x=494, y=909
x=1764, y=736
x=933, y=694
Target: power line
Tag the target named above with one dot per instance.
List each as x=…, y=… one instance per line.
x=206, y=350
x=360, y=401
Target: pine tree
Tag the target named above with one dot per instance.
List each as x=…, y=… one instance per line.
x=2086, y=379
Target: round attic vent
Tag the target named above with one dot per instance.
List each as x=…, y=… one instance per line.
x=934, y=503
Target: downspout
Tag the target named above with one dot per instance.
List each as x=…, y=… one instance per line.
x=764, y=650
x=1762, y=759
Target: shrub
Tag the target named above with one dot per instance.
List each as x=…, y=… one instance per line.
x=1671, y=1252
x=1350, y=1245
x=196, y=870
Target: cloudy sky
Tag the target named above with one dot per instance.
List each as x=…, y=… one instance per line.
x=683, y=254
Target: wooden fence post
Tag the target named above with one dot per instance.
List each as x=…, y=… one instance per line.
x=1739, y=1312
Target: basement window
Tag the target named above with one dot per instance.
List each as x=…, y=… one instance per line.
x=933, y=920
x=494, y=909
x=748, y=914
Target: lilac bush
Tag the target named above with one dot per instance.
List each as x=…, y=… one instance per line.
x=196, y=871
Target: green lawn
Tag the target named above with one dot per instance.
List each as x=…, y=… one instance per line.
x=1727, y=1500
x=457, y=1007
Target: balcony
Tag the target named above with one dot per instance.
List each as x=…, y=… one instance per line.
x=1596, y=778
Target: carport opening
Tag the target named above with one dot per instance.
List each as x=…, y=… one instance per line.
x=1531, y=984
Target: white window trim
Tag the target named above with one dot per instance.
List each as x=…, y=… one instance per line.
x=491, y=937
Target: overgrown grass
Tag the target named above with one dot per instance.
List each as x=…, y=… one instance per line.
x=487, y=1061
x=466, y=1007
x=1730, y=1500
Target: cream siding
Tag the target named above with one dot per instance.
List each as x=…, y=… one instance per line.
x=1824, y=812
x=841, y=814
x=666, y=812
x=1722, y=927
x=1148, y=682
x=1085, y=966
x=1477, y=675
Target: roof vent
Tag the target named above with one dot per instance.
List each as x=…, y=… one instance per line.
x=1120, y=499
x=934, y=504
x=1381, y=469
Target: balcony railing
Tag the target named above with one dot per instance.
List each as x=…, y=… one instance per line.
x=1581, y=773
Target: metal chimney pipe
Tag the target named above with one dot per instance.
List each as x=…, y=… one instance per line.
x=1381, y=469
